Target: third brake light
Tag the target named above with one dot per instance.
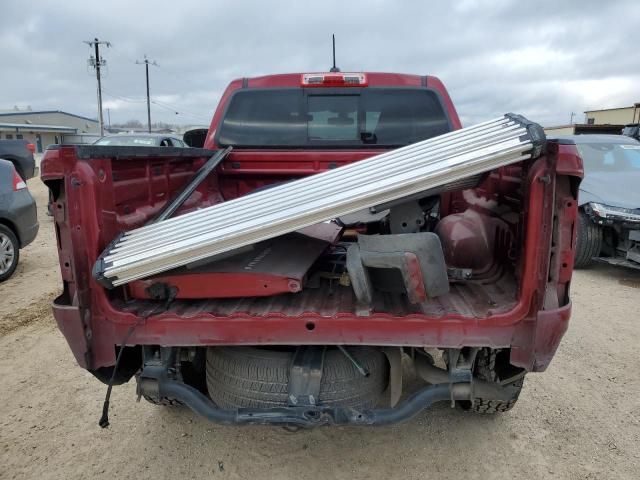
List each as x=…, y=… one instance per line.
x=334, y=80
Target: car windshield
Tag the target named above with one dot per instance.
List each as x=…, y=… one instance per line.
x=610, y=157
x=316, y=117
x=128, y=140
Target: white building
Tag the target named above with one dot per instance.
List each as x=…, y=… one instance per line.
x=43, y=127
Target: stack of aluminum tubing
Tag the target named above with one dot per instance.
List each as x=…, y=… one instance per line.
x=282, y=209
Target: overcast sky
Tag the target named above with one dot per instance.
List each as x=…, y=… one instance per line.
x=541, y=59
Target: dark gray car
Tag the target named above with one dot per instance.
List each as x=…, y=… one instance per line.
x=18, y=218
x=609, y=200
x=20, y=153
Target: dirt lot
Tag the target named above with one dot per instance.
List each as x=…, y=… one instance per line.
x=579, y=420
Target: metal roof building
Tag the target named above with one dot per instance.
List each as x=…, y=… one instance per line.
x=613, y=116
x=43, y=127
x=604, y=121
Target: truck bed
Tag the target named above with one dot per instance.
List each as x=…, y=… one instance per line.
x=471, y=299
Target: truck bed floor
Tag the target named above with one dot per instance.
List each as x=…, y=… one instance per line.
x=471, y=299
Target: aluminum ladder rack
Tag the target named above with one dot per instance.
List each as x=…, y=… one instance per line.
x=393, y=175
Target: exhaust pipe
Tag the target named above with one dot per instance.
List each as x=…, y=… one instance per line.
x=481, y=388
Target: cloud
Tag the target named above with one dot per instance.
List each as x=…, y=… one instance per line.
x=543, y=59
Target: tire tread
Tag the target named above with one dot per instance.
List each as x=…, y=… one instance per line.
x=16, y=248
x=257, y=378
x=588, y=241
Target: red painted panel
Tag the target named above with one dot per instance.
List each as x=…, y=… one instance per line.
x=96, y=205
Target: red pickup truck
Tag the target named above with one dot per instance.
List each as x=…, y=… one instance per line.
x=276, y=334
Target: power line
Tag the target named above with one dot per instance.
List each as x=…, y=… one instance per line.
x=178, y=110
x=97, y=62
x=123, y=98
x=173, y=108
x=167, y=106
x=115, y=51
x=146, y=62
x=194, y=115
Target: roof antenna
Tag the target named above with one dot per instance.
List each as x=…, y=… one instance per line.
x=334, y=68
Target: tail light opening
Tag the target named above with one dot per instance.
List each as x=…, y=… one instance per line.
x=18, y=182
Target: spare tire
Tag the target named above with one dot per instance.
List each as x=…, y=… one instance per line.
x=259, y=377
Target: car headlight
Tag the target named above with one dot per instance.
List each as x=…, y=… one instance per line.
x=606, y=212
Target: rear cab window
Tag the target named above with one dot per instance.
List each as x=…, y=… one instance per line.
x=332, y=118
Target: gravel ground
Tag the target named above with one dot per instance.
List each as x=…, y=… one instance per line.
x=579, y=420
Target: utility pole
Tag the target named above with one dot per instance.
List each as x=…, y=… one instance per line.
x=109, y=117
x=146, y=62
x=571, y=119
x=97, y=62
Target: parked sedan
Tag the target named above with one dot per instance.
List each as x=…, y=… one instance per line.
x=142, y=140
x=609, y=200
x=18, y=218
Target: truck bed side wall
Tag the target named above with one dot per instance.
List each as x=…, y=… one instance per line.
x=94, y=199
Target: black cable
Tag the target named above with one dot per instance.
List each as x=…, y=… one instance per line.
x=104, y=419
